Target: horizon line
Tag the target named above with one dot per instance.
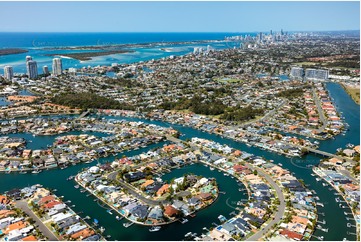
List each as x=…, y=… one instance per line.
x=140, y=32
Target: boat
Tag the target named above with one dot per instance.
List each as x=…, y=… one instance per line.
x=23, y=172
x=221, y=218
x=319, y=204
x=279, y=164
x=188, y=234
x=36, y=171
x=118, y=218
x=95, y=222
x=76, y=186
x=318, y=179
x=183, y=220
x=154, y=228
x=126, y=225
x=109, y=211
x=192, y=215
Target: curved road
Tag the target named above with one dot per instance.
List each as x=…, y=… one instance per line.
x=133, y=191
x=281, y=208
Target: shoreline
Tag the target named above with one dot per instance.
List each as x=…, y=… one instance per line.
x=317, y=171
x=348, y=91
x=137, y=222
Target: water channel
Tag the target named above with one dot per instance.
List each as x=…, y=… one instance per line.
x=331, y=213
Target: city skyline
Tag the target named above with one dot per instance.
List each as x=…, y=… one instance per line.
x=180, y=16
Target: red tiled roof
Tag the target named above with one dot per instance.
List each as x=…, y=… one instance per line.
x=291, y=235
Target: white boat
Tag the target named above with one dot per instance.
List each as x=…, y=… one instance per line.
x=154, y=228
x=126, y=225
x=183, y=220
x=76, y=186
x=188, y=234
x=36, y=171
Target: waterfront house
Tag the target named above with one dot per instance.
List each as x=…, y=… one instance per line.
x=75, y=228
x=181, y=206
x=171, y=211
x=194, y=201
x=140, y=211
x=155, y=214
x=291, y=235
x=229, y=229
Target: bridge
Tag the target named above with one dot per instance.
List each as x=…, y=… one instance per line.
x=83, y=114
x=309, y=149
x=324, y=153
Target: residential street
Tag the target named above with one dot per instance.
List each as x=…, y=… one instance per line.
x=24, y=206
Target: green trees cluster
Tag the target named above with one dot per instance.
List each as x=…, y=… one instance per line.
x=241, y=114
x=291, y=93
x=88, y=100
x=197, y=104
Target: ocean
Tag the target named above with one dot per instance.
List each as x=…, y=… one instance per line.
x=38, y=45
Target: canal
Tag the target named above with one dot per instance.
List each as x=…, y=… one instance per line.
x=331, y=213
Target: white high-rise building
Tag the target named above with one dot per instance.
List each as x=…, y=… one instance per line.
x=45, y=70
x=57, y=66
x=316, y=74
x=28, y=58
x=297, y=72
x=32, y=69
x=8, y=72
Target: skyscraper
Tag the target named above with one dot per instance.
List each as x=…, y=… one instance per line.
x=8, y=72
x=57, y=66
x=32, y=69
x=45, y=70
x=28, y=58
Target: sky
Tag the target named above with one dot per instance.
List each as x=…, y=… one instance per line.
x=178, y=16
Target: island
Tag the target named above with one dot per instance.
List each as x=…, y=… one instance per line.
x=85, y=56
x=11, y=51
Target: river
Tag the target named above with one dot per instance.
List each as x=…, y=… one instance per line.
x=333, y=215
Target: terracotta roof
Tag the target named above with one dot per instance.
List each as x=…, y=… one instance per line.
x=147, y=183
x=17, y=225
x=170, y=211
x=85, y=233
x=52, y=204
x=163, y=189
x=4, y=200
x=46, y=199
x=291, y=235
x=30, y=238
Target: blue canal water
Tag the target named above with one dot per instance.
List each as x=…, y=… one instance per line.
x=36, y=42
x=334, y=216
